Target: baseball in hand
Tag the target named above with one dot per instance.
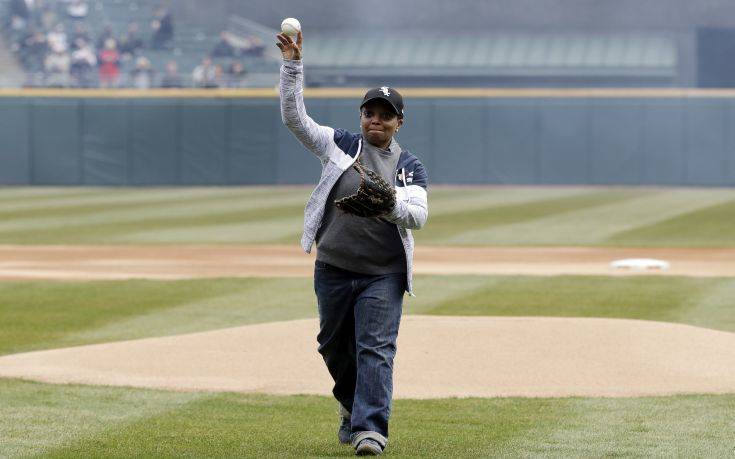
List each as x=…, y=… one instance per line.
x=291, y=26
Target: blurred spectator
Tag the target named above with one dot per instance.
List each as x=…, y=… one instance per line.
x=254, y=47
x=17, y=24
x=77, y=9
x=219, y=77
x=142, y=76
x=236, y=75
x=204, y=74
x=172, y=79
x=21, y=9
x=105, y=35
x=20, y=13
x=83, y=62
x=33, y=50
x=57, y=37
x=249, y=45
x=80, y=32
x=131, y=42
x=163, y=28
x=48, y=16
x=56, y=67
x=223, y=48
x=109, y=64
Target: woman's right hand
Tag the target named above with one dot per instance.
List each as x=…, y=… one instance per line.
x=289, y=49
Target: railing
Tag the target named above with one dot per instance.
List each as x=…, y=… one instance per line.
x=240, y=26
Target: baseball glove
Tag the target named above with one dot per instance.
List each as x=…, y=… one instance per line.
x=374, y=197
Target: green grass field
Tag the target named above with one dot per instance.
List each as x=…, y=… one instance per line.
x=458, y=216
x=80, y=421
x=73, y=421
x=45, y=315
x=83, y=421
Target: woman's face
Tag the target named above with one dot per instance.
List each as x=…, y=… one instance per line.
x=379, y=123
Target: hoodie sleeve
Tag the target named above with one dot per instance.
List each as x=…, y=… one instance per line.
x=412, y=206
x=314, y=137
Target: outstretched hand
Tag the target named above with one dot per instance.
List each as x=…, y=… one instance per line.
x=289, y=49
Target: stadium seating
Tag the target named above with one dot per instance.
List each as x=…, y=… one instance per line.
x=191, y=41
x=442, y=58
x=492, y=57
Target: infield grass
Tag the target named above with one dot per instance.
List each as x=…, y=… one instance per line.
x=556, y=216
x=82, y=421
x=42, y=315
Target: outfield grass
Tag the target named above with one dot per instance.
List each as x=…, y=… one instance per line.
x=81, y=421
x=41, y=315
x=458, y=216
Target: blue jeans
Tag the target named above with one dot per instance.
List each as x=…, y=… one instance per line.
x=359, y=315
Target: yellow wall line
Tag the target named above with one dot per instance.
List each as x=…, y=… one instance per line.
x=357, y=93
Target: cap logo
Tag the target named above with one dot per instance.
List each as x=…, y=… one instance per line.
x=385, y=90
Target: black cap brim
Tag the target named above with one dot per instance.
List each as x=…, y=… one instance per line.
x=395, y=109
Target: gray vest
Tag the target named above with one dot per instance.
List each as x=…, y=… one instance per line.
x=363, y=245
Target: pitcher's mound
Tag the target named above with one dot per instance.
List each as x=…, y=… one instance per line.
x=437, y=357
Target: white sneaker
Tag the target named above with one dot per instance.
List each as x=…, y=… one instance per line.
x=368, y=447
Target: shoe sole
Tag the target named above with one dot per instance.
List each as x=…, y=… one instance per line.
x=368, y=450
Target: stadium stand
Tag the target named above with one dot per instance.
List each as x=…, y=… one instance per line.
x=462, y=59
x=340, y=56
x=190, y=44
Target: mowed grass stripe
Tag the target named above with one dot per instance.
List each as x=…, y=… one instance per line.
x=256, y=303
x=680, y=426
x=26, y=195
x=111, y=230
x=248, y=232
x=111, y=204
x=712, y=308
x=595, y=225
x=708, y=227
x=445, y=200
x=36, y=418
x=44, y=315
x=666, y=299
x=457, y=216
x=234, y=425
x=171, y=424
x=99, y=196
x=252, y=302
x=64, y=202
x=156, y=209
x=449, y=227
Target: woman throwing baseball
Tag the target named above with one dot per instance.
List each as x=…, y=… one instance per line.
x=363, y=264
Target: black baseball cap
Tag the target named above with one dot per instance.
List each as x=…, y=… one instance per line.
x=388, y=94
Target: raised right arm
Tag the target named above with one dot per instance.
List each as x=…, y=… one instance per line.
x=314, y=137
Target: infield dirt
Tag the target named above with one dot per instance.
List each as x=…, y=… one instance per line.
x=184, y=262
x=437, y=357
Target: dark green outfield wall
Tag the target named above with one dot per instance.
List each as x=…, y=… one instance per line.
x=87, y=141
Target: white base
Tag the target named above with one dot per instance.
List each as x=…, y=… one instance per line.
x=639, y=264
